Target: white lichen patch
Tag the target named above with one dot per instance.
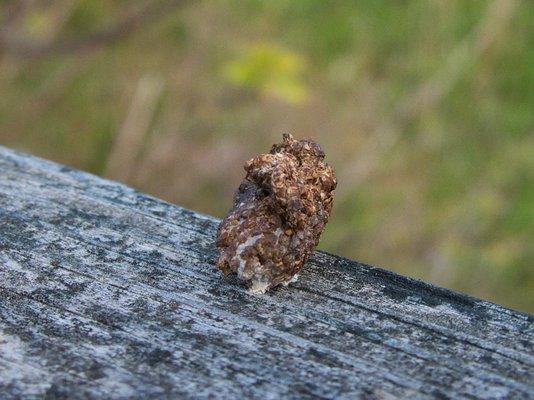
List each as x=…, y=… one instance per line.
x=251, y=241
x=294, y=279
x=258, y=287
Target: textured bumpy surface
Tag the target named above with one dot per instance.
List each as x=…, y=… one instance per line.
x=109, y=293
x=279, y=212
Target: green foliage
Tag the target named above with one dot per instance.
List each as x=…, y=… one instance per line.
x=270, y=70
x=87, y=16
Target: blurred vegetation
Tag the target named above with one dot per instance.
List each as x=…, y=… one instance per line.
x=424, y=107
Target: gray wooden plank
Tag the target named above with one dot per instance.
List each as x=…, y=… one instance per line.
x=370, y=353
x=79, y=251
x=400, y=329
x=432, y=299
x=99, y=188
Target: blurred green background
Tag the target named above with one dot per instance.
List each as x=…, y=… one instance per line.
x=425, y=108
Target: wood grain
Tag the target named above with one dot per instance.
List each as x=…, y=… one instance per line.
x=109, y=293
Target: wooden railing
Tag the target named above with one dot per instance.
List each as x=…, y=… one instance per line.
x=109, y=293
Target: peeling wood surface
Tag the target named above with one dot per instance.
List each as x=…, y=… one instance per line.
x=109, y=293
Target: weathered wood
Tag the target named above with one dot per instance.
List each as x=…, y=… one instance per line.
x=109, y=293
